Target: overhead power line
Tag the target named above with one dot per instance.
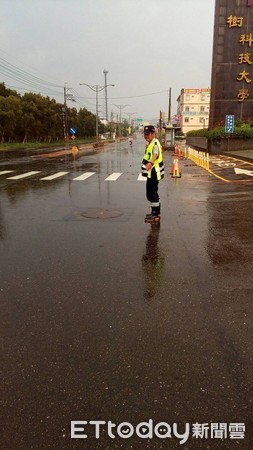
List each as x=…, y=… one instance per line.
x=36, y=91
x=23, y=75
x=34, y=83
x=142, y=95
x=33, y=69
x=39, y=85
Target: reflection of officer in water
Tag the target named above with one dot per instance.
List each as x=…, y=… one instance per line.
x=152, y=263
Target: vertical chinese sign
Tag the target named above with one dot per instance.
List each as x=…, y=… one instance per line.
x=232, y=68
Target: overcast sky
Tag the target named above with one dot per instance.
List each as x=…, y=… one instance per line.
x=147, y=47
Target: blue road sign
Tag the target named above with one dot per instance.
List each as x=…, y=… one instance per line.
x=72, y=130
x=229, y=124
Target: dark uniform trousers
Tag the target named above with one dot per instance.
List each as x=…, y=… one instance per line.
x=152, y=192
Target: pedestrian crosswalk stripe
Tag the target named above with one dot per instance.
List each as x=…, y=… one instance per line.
x=55, y=175
x=84, y=176
x=24, y=175
x=114, y=176
x=3, y=172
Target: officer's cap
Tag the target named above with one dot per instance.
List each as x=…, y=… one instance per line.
x=149, y=129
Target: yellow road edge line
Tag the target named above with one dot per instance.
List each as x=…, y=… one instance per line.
x=217, y=176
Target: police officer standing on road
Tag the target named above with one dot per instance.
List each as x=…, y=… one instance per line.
x=153, y=169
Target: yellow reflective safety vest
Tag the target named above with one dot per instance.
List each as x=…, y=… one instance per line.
x=158, y=164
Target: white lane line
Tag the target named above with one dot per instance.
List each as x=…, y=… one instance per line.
x=23, y=175
x=55, y=175
x=243, y=171
x=114, y=176
x=84, y=176
x=141, y=178
x=3, y=172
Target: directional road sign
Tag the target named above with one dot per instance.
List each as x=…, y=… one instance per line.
x=72, y=130
x=229, y=124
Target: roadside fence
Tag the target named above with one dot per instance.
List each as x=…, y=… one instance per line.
x=200, y=158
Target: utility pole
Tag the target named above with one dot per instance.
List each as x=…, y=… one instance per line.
x=120, y=107
x=160, y=125
x=129, y=119
x=169, y=108
x=65, y=121
x=111, y=122
x=129, y=116
x=65, y=112
x=96, y=88
x=106, y=110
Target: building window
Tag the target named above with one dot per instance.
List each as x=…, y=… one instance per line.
x=203, y=97
x=187, y=108
x=187, y=98
x=202, y=109
x=186, y=120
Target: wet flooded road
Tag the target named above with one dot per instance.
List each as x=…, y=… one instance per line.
x=104, y=317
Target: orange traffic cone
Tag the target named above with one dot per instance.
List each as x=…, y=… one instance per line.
x=176, y=169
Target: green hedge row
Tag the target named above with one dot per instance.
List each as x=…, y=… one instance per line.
x=244, y=131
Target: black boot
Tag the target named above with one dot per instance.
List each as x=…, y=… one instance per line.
x=152, y=219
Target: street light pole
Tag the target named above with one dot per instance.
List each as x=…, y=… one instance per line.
x=96, y=88
x=106, y=110
x=97, y=134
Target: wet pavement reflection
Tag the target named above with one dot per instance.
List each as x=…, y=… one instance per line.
x=105, y=317
x=153, y=263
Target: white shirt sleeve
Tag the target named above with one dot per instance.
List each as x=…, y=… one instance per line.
x=156, y=149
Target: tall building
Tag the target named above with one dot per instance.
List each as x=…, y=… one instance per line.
x=232, y=66
x=193, y=109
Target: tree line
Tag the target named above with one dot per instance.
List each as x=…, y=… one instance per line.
x=35, y=118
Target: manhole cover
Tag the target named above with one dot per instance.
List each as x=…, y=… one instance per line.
x=94, y=213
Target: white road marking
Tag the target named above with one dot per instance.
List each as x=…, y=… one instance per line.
x=84, y=176
x=3, y=172
x=23, y=175
x=114, y=176
x=55, y=175
x=244, y=171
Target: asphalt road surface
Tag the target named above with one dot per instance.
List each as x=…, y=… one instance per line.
x=106, y=318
